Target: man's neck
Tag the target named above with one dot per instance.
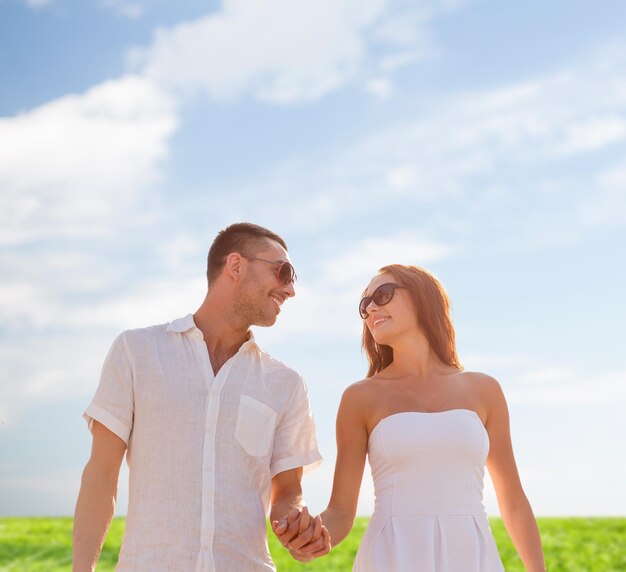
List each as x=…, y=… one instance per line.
x=222, y=335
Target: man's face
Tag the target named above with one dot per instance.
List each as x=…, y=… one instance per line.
x=262, y=293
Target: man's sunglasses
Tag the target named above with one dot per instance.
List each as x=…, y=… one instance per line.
x=285, y=271
x=381, y=296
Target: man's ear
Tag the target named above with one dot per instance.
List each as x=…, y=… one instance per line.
x=235, y=266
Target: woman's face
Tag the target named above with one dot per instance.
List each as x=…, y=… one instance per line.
x=392, y=319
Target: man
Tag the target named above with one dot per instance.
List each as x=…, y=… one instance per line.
x=213, y=428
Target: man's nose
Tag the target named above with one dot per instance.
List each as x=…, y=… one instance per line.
x=290, y=289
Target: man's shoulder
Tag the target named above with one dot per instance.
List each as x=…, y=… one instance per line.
x=276, y=366
x=144, y=333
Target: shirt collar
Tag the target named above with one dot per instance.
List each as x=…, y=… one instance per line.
x=186, y=324
x=181, y=325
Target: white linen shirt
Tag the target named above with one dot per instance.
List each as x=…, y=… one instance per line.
x=202, y=448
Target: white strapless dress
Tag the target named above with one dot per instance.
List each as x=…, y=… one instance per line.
x=428, y=471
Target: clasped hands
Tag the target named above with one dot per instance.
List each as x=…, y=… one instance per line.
x=304, y=536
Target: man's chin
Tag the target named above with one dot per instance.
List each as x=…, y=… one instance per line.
x=266, y=321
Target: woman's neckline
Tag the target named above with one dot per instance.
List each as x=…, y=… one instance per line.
x=460, y=409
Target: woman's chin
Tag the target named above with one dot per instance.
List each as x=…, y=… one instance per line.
x=382, y=338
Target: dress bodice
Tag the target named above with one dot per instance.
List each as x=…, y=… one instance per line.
x=429, y=462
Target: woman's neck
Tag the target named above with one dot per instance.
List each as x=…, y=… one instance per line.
x=413, y=356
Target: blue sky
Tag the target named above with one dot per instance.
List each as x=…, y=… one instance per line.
x=482, y=140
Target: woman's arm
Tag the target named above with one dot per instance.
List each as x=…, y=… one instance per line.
x=352, y=436
x=352, y=439
x=515, y=509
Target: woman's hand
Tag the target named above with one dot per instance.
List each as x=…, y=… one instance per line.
x=305, y=537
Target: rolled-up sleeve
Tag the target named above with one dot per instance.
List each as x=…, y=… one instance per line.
x=295, y=442
x=113, y=403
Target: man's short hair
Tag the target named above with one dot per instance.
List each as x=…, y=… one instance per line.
x=242, y=237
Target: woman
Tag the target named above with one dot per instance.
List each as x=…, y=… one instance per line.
x=428, y=428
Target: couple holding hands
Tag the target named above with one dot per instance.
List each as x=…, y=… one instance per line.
x=216, y=432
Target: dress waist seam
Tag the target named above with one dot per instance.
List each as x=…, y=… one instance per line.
x=433, y=508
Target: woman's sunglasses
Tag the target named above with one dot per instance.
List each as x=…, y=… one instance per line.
x=286, y=272
x=381, y=296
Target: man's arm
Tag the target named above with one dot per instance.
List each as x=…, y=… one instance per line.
x=96, y=499
x=286, y=493
x=287, y=504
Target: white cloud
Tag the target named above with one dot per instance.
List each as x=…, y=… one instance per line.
x=546, y=376
x=146, y=301
x=355, y=263
x=129, y=9
x=606, y=207
x=527, y=381
x=509, y=160
x=562, y=387
x=96, y=152
x=271, y=49
x=50, y=370
x=401, y=178
x=380, y=87
x=283, y=52
x=614, y=178
x=149, y=302
x=77, y=163
x=37, y=4
x=487, y=362
x=594, y=133
x=181, y=252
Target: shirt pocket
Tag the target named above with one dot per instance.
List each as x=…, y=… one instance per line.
x=255, y=426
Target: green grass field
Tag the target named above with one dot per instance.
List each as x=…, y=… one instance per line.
x=570, y=545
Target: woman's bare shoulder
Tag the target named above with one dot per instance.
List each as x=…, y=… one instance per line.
x=361, y=392
x=361, y=387
x=486, y=387
x=481, y=380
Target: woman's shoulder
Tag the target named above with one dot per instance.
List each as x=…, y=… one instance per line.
x=360, y=392
x=488, y=388
x=478, y=378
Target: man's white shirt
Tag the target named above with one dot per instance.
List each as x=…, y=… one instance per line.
x=202, y=448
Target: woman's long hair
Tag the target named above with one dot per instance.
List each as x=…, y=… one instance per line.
x=432, y=306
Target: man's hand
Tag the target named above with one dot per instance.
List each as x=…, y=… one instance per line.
x=291, y=525
x=294, y=524
x=313, y=549
x=306, y=538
